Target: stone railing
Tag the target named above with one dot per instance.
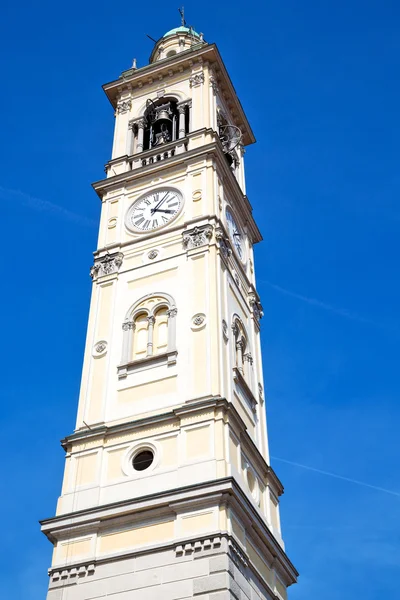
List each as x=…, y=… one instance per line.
x=148, y=157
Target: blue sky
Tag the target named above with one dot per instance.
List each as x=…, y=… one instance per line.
x=319, y=83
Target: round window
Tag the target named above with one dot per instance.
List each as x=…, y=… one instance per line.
x=142, y=460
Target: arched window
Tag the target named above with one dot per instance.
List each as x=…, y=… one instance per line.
x=164, y=120
x=243, y=358
x=149, y=331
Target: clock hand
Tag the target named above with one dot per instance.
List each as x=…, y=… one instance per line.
x=153, y=210
x=162, y=210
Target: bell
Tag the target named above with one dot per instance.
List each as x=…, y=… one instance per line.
x=163, y=113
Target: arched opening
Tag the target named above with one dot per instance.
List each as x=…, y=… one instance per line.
x=161, y=123
x=141, y=324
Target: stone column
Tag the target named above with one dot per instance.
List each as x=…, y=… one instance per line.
x=140, y=126
x=182, y=112
x=172, y=312
x=128, y=328
x=129, y=139
x=150, y=332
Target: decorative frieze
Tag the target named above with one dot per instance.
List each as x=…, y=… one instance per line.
x=71, y=574
x=196, y=79
x=106, y=265
x=197, y=546
x=199, y=236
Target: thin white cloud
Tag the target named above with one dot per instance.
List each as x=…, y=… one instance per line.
x=336, y=476
x=342, y=312
x=44, y=206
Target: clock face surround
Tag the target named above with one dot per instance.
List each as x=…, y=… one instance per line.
x=154, y=210
x=235, y=235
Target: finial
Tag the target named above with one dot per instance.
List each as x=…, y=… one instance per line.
x=134, y=64
x=182, y=13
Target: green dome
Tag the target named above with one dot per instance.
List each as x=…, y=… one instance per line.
x=181, y=29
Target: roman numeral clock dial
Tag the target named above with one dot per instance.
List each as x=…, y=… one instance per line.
x=154, y=210
x=236, y=236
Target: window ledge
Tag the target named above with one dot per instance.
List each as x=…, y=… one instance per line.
x=240, y=380
x=157, y=360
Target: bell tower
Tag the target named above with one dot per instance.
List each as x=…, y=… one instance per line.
x=168, y=491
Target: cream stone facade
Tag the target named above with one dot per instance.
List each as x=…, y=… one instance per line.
x=167, y=486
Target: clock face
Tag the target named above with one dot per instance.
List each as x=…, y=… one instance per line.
x=154, y=210
x=235, y=235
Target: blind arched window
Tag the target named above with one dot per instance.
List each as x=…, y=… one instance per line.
x=149, y=329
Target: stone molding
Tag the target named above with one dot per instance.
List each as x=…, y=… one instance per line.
x=240, y=380
x=106, y=265
x=156, y=360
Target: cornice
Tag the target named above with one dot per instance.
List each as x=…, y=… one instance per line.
x=132, y=79
x=228, y=488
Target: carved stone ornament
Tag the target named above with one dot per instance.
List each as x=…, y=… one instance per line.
x=198, y=320
x=199, y=236
x=235, y=329
x=172, y=312
x=152, y=254
x=196, y=79
x=248, y=357
x=256, y=307
x=106, y=265
x=260, y=389
x=100, y=348
x=214, y=85
x=222, y=243
x=124, y=106
x=225, y=329
x=127, y=325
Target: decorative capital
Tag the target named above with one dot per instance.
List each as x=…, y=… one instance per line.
x=248, y=357
x=256, y=307
x=124, y=106
x=151, y=320
x=128, y=325
x=222, y=242
x=172, y=312
x=199, y=236
x=106, y=265
x=235, y=329
x=196, y=79
x=214, y=85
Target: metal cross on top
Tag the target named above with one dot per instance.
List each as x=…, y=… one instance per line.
x=182, y=13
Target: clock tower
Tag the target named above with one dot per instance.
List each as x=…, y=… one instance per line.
x=168, y=491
